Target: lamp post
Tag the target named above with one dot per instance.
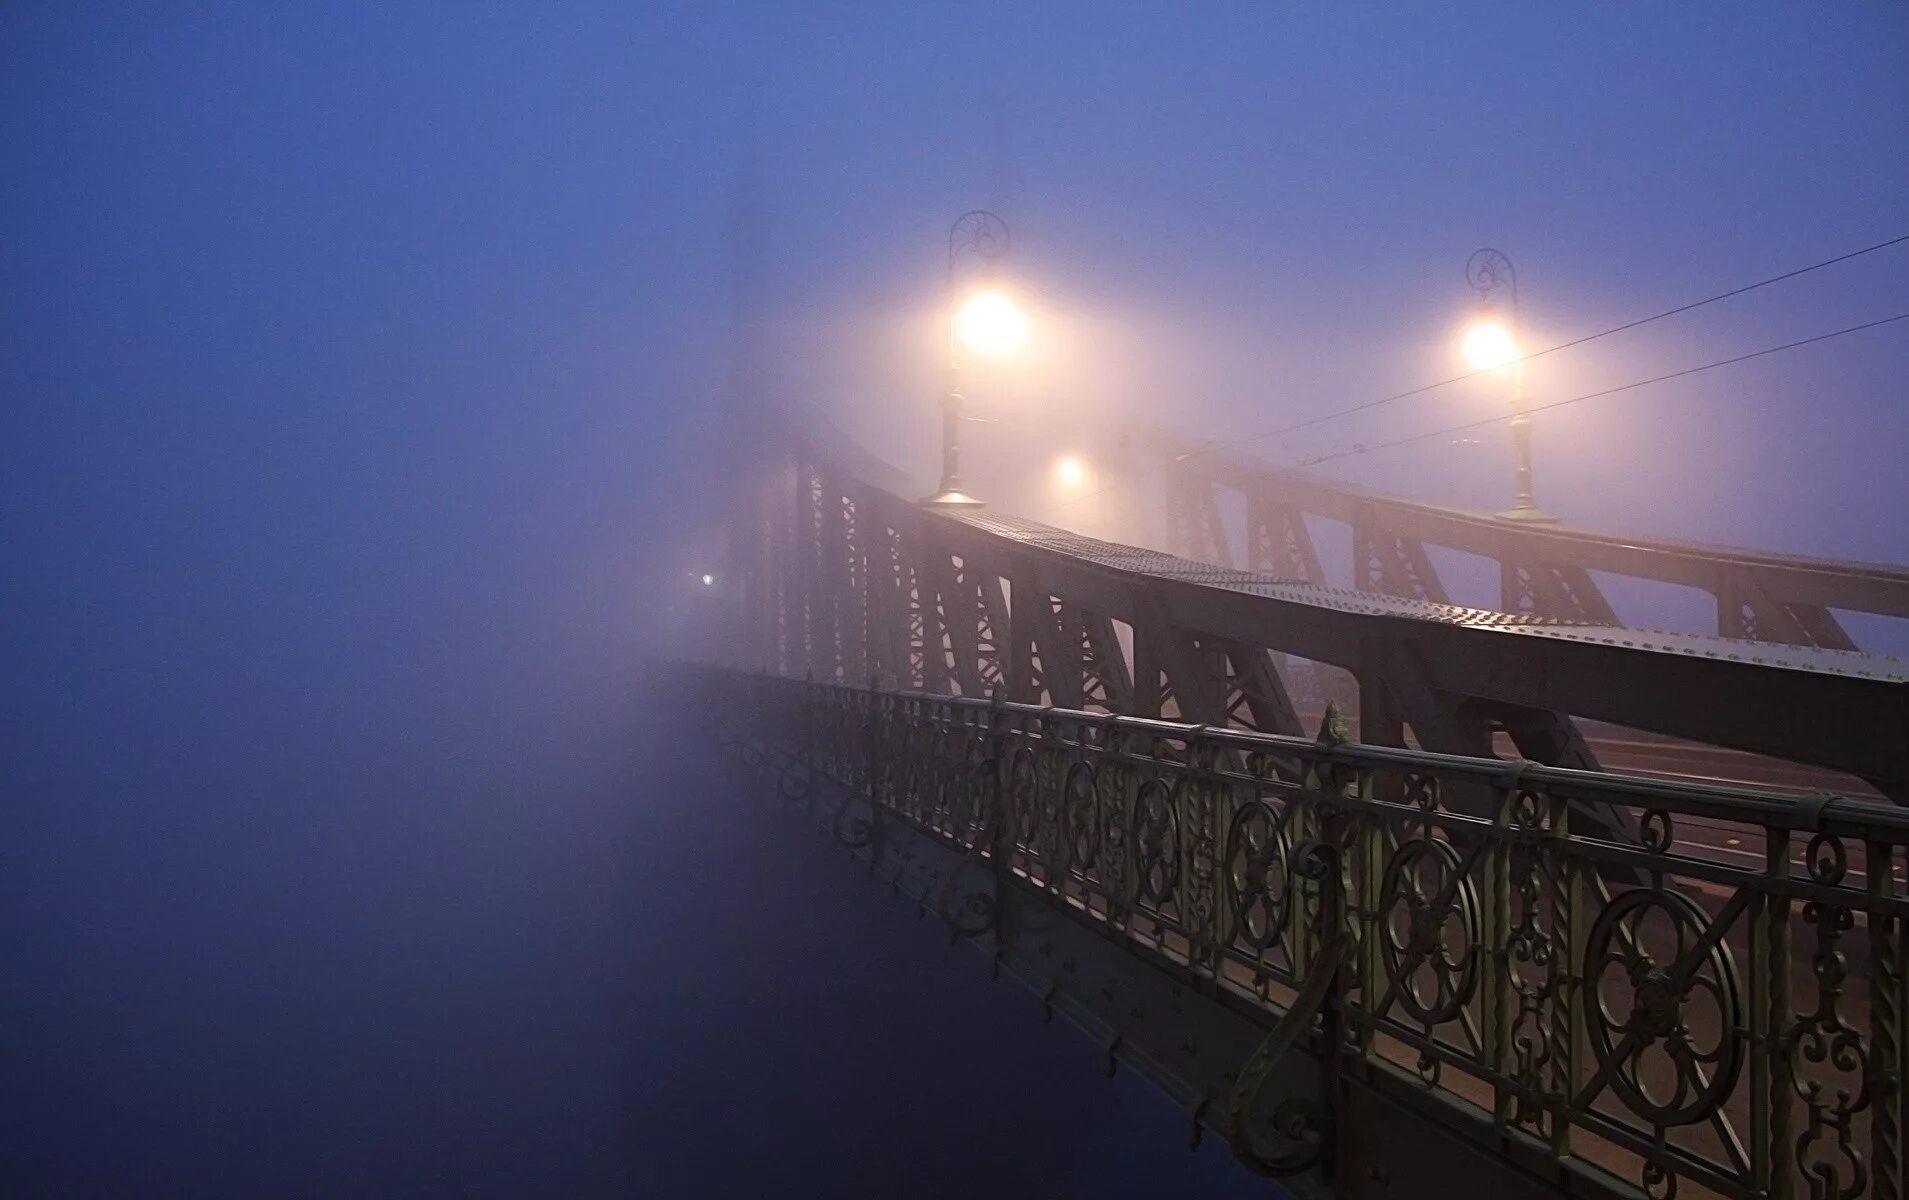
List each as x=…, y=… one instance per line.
x=988, y=322
x=1492, y=342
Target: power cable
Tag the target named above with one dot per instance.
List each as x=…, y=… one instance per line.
x=1579, y=341
x=1610, y=391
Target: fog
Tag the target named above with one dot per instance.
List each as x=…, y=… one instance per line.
x=371, y=376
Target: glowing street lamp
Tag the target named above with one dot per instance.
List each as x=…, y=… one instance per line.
x=1488, y=344
x=989, y=323
x=1070, y=472
x=1491, y=343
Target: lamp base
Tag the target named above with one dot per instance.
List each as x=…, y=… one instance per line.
x=950, y=498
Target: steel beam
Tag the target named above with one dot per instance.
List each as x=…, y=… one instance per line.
x=1808, y=589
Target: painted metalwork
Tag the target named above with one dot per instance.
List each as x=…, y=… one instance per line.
x=1604, y=1015
x=863, y=583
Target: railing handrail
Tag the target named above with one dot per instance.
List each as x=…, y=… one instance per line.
x=1819, y=812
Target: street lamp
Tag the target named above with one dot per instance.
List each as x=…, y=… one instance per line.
x=1490, y=343
x=988, y=323
x=1076, y=489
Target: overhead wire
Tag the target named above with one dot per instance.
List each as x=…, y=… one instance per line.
x=1448, y=430
x=1578, y=341
x=1610, y=391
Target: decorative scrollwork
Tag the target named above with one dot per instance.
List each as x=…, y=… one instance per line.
x=1198, y=799
x=1112, y=783
x=1827, y=858
x=1487, y=270
x=1656, y=831
x=927, y=775
x=1151, y=827
x=1261, y=765
x=1666, y=1011
x=1257, y=884
x=1049, y=844
x=1429, y=924
x=1422, y=791
x=978, y=232
x=1528, y=810
x=969, y=792
x=1659, y=1182
x=1023, y=783
x=1156, y=843
x=1081, y=818
x=1830, y=1063
x=1532, y=966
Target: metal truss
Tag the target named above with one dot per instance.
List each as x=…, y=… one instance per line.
x=1279, y=544
x=1545, y=569
x=1373, y=969
x=874, y=587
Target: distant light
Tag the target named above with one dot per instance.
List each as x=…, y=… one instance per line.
x=991, y=323
x=1488, y=345
x=1070, y=472
x=708, y=580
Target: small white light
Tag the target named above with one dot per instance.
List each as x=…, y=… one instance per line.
x=1070, y=472
x=708, y=580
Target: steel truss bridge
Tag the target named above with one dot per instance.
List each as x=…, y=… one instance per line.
x=1373, y=968
x=1544, y=568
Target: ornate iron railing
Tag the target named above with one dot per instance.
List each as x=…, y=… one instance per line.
x=1725, y=1020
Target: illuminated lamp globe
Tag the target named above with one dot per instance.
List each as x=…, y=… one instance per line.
x=991, y=324
x=1489, y=344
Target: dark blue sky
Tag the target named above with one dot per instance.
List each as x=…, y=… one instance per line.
x=361, y=366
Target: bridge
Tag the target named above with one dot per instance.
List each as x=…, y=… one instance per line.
x=1451, y=953
x=1544, y=567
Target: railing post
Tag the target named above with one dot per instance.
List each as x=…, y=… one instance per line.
x=1305, y=821
x=1371, y=864
x=1499, y=1001
x=1570, y=1032
x=1771, y=1086
x=1888, y=1009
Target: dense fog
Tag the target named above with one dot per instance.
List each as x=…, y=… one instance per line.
x=369, y=375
